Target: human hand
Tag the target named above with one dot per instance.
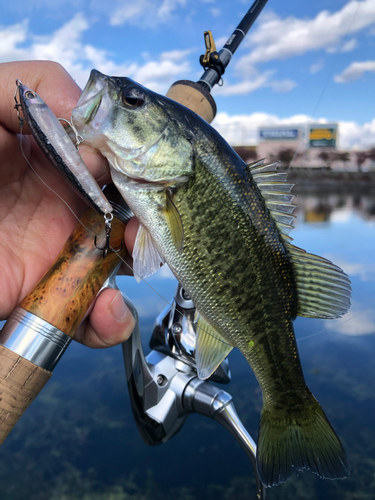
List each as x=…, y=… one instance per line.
x=34, y=223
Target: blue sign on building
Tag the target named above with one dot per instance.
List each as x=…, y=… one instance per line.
x=279, y=134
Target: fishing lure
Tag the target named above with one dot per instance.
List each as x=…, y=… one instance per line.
x=56, y=144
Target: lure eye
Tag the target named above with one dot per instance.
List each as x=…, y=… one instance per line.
x=30, y=94
x=133, y=98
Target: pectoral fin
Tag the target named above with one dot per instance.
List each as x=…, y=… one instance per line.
x=174, y=223
x=211, y=348
x=146, y=258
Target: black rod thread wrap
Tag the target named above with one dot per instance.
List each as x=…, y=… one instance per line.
x=239, y=33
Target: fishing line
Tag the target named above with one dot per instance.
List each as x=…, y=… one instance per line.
x=335, y=326
x=328, y=79
x=49, y=187
x=112, y=249
x=170, y=303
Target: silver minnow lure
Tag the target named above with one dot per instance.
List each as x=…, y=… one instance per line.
x=59, y=149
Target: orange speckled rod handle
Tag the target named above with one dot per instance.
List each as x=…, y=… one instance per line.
x=62, y=298
x=66, y=292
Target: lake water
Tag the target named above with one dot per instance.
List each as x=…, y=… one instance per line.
x=78, y=440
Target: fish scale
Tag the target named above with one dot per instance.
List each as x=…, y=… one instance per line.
x=222, y=227
x=234, y=276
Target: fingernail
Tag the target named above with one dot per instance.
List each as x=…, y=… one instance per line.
x=118, y=307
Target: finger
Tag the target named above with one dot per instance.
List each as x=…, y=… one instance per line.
x=49, y=79
x=57, y=88
x=97, y=164
x=131, y=233
x=110, y=322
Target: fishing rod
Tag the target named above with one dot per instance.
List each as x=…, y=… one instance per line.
x=163, y=387
x=197, y=95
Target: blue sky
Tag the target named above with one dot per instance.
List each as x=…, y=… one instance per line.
x=302, y=61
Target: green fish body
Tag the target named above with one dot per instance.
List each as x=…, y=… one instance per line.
x=222, y=226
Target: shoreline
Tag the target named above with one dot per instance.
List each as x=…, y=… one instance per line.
x=322, y=178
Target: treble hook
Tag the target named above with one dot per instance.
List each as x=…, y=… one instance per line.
x=18, y=106
x=108, y=228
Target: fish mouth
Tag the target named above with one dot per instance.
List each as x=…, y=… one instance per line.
x=91, y=98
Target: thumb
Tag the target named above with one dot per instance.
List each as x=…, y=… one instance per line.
x=110, y=322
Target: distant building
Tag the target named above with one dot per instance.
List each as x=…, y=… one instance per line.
x=313, y=145
x=272, y=140
x=303, y=144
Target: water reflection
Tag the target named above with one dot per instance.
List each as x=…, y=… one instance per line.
x=322, y=207
x=78, y=440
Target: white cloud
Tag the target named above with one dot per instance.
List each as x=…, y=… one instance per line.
x=355, y=71
x=355, y=136
x=243, y=128
x=254, y=80
x=10, y=37
x=65, y=46
x=129, y=12
x=144, y=12
x=282, y=85
x=357, y=321
x=315, y=68
x=215, y=12
x=169, y=6
x=175, y=55
x=349, y=45
x=278, y=38
x=365, y=271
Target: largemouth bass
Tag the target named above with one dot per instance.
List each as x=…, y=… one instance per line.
x=222, y=226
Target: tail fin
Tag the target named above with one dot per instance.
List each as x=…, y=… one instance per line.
x=304, y=440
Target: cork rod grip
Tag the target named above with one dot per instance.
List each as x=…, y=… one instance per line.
x=62, y=298
x=195, y=97
x=20, y=383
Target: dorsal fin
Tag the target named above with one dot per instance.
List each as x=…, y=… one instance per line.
x=323, y=289
x=275, y=191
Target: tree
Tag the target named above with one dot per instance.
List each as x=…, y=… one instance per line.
x=343, y=156
x=285, y=156
x=327, y=157
x=361, y=157
x=247, y=153
x=371, y=154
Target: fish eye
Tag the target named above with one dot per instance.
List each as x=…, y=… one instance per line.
x=30, y=94
x=133, y=98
